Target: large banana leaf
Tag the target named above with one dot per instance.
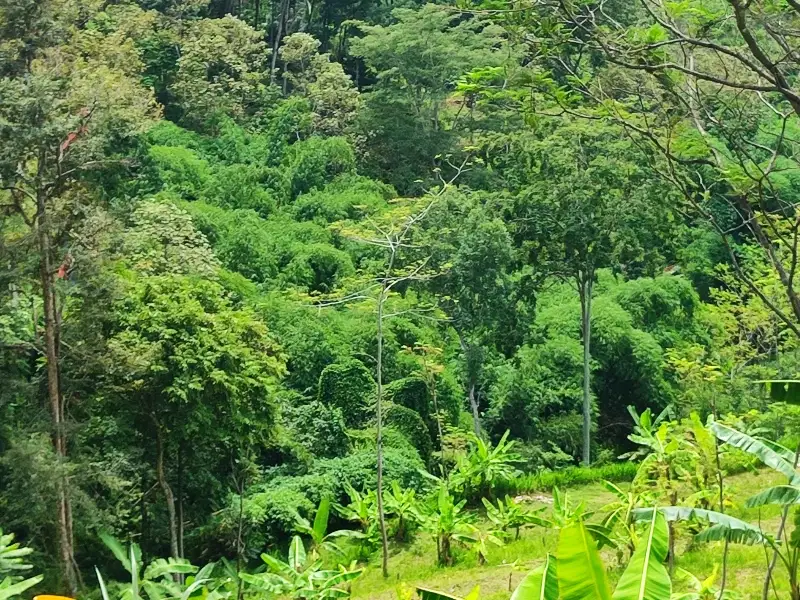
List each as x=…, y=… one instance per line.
x=646, y=578
x=779, y=494
x=297, y=554
x=321, y=520
x=168, y=566
x=723, y=526
x=581, y=574
x=276, y=565
x=539, y=584
x=117, y=549
x=757, y=448
x=9, y=590
x=788, y=455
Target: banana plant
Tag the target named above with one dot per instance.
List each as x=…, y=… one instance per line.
x=618, y=516
x=402, y=505
x=448, y=522
x=725, y=527
x=481, y=540
x=161, y=579
x=318, y=531
x=12, y=564
x=484, y=466
x=301, y=576
x=702, y=589
x=508, y=515
x=564, y=514
x=362, y=509
x=577, y=572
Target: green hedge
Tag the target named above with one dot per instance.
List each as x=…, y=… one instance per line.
x=571, y=476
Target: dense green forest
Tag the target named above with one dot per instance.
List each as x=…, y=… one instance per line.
x=389, y=269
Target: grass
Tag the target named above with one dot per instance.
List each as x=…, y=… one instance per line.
x=568, y=477
x=414, y=565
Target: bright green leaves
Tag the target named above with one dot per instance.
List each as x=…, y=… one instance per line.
x=581, y=573
x=297, y=553
x=756, y=447
x=539, y=584
x=646, y=578
x=12, y=565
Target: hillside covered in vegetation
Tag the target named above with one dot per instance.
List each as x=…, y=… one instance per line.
x=333, y=277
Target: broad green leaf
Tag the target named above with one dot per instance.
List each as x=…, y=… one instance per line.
x=276, y=565
x=779, y=494
x=646, y=578
x=15, y=589
x=297, y=553
x=539, y=584
x=195, y=585
x=168, y=566
x=343, y=577
x=788, y=455
x=581, y=574
x=723, y=526
x=321, y=519
x=758, y=449
x=117, y=549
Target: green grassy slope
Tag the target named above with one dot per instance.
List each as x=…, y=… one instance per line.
x=415, y=564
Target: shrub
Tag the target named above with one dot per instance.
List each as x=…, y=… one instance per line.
x=239, y=186
x=269, y=516
x=358, y=469
x=319, y=267
x=318, y=428
x=349, y=387
x=180, y=170
x=347, y=197
x=314, y=162
x=411, y=392
x=411, y=425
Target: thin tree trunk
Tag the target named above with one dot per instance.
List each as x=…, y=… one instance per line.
x=167, y=491
x=379, y=443
x=180, y=501
x=145, y=522
x=438, y=423
x=240, y=540
x=473, y=404
x=276, y=43
x=63, y=509
x=471, y=385
x=585, y=287
x=721, y=484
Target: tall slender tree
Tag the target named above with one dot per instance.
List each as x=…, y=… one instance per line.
x=59, y=111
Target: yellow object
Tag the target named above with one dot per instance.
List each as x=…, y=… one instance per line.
x=48, y=597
